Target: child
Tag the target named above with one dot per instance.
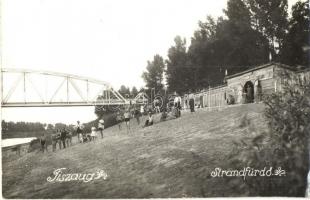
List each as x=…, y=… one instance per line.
x=93, y=133
x=80, y=137
x=101, y=127
x=163, y=116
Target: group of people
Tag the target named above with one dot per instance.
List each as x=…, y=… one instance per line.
x=93, y=135
x=63, y=137
x=127, y=115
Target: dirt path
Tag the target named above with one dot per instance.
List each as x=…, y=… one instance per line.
x=170, y=159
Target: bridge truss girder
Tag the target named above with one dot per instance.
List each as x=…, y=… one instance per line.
x=87, y=91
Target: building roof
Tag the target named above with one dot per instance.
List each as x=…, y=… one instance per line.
x=261, y=67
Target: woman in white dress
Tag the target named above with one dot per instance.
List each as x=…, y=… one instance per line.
x=93, y=133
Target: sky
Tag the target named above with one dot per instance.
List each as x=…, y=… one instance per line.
x=110, y=40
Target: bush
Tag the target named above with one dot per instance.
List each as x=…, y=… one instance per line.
x=284, y=146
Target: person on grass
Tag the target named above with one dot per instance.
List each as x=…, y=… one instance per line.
x=191, y=102
x=119, y=120
x=164, y=115
x=69, y=139
x=149, y=121
x=127, y=119
x=58, y=138
x=137, y=115
x=63, y=136
x=54, y=140
x=93, y=134
x=43, y=142
x=101, y=127
x=177, y=104
x=79, y=130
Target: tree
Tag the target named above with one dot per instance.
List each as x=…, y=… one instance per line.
x=269, y=17
x=245, y=45
x=230, y=44
x=134, y=92
x=124, y=91
x=297, y=39
x=153, y=77
x=179, y=72
x=285, y=145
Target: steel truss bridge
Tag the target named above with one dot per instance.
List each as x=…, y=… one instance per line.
x=32, y=88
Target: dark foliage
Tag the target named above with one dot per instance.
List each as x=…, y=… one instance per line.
x=285, y=145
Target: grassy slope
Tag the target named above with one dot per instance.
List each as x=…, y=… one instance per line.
x=170, y=159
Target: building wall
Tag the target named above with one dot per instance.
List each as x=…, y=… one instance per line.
x=264, y=77
x=267, y=79
x=212, y=97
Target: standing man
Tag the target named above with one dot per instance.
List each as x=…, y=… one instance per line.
x=69, y=139
x=177, y=104
x=101, y=127
x=119, y=120
x=63, y=137
x=137, y=115
x=191, y=102
x=54, y=140
x=127, y=119
x=43, y=142
x=58, y=138
x=79, y=131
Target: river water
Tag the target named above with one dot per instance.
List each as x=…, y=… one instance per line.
x=16, y=141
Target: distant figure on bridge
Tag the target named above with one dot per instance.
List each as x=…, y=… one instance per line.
x=43, y=142
x=119, y=120
x=127, y=119
x=191, y=102
x=101, y=127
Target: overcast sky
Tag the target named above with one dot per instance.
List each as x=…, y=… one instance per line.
x=110, y=40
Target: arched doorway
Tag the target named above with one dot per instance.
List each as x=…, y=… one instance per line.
x=248, y=90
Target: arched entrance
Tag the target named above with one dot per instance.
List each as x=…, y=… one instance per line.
x=248, y=90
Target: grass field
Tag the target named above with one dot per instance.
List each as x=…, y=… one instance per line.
x=169, y=159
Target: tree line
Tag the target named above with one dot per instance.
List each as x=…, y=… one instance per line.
x=251, y=33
